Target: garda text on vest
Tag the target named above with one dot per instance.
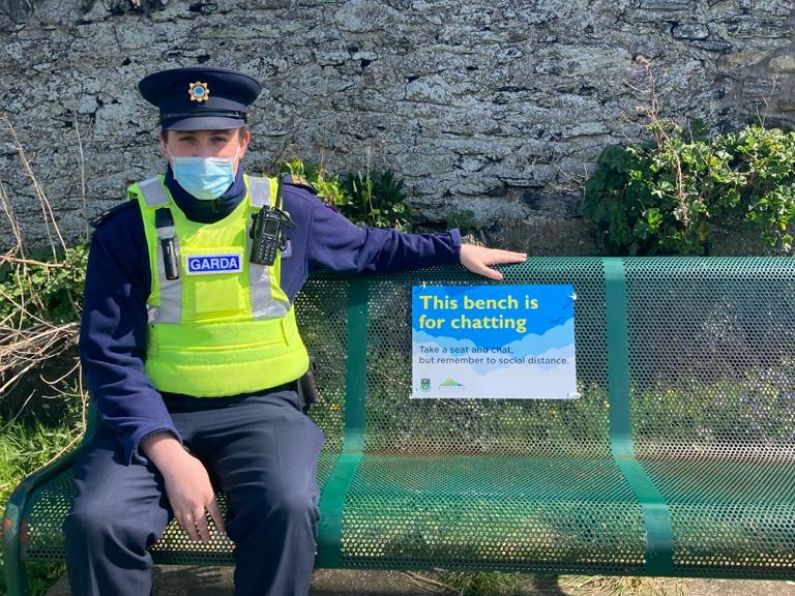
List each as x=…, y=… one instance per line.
x=213, y=264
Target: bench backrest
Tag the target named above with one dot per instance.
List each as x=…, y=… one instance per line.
x=676, y=357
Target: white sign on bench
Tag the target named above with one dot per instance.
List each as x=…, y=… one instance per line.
x=493, y=341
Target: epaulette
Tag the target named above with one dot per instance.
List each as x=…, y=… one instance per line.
x=102, y=217
x=297, y=180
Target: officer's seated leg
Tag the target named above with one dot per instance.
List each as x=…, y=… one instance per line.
x=118, y=510
x=266, y=461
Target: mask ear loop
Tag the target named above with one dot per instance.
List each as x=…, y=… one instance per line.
x=238, y=160
x=170, y=158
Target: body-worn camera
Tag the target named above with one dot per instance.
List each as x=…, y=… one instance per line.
x=166, y=234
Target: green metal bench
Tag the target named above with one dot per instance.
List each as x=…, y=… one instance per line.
x=678, y=459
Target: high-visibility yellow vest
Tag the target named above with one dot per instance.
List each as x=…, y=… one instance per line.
x=224, y=326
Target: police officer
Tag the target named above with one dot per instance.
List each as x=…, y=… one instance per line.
x=190, y=348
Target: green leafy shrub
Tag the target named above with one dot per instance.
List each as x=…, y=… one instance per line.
x=665, y=197
x=375, y=199
x=49, y=289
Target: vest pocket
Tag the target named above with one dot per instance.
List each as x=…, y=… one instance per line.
x=227, y=358
x=217, y=297
x=213, y=287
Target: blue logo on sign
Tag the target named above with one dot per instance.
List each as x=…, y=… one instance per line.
x=214, y=264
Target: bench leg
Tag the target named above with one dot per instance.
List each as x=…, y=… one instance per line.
x=16, y=581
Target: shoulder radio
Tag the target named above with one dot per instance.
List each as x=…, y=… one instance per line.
x=267, y=231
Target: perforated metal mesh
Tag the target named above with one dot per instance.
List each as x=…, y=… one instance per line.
x=41, y=535
x=550, y=485
x=321, y=309
x=503, y=512
x=712, y=351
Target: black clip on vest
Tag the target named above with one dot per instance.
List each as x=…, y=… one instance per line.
x=164, y=222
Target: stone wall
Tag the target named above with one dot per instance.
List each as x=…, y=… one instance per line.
x=500, y=107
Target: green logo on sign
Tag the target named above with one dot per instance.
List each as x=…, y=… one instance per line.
x=451, y=385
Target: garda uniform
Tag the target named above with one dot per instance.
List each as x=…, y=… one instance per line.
x=235, y=406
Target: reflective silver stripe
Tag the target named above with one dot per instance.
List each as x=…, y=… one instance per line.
x=154, y=195
x=259, y=191
x=263, y=306
x=170, y=309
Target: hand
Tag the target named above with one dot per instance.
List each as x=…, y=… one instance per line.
x=188, y=486
x=478, y=259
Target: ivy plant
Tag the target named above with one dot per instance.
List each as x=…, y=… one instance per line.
x=665, y=197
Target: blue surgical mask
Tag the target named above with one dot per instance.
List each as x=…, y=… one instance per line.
x=205, y=178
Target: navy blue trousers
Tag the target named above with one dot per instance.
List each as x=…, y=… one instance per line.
x=261, y=450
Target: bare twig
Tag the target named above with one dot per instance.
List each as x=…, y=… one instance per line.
x=428, y=584
x=74, y=440
x=83, y=396
x=663, y=140
x=17, y=376
x=766, y=99
x=19, y=411
x=9, y=211
x=22, y=350
x=21, y=310
x=49, y=218
x=10, y=259
x=62, y=377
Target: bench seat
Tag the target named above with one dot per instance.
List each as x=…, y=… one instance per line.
x=509, y=513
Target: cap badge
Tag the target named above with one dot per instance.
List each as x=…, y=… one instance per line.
x=199, y=91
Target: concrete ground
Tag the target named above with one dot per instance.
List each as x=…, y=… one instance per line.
x=217, y=581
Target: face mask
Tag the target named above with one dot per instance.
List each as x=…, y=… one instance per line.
x=206, y=178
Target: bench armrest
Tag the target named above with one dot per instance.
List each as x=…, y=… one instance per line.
x=14, y=510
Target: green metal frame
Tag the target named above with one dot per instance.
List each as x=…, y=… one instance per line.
x=332, y=499
x=657, y=517
x=13, y=534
